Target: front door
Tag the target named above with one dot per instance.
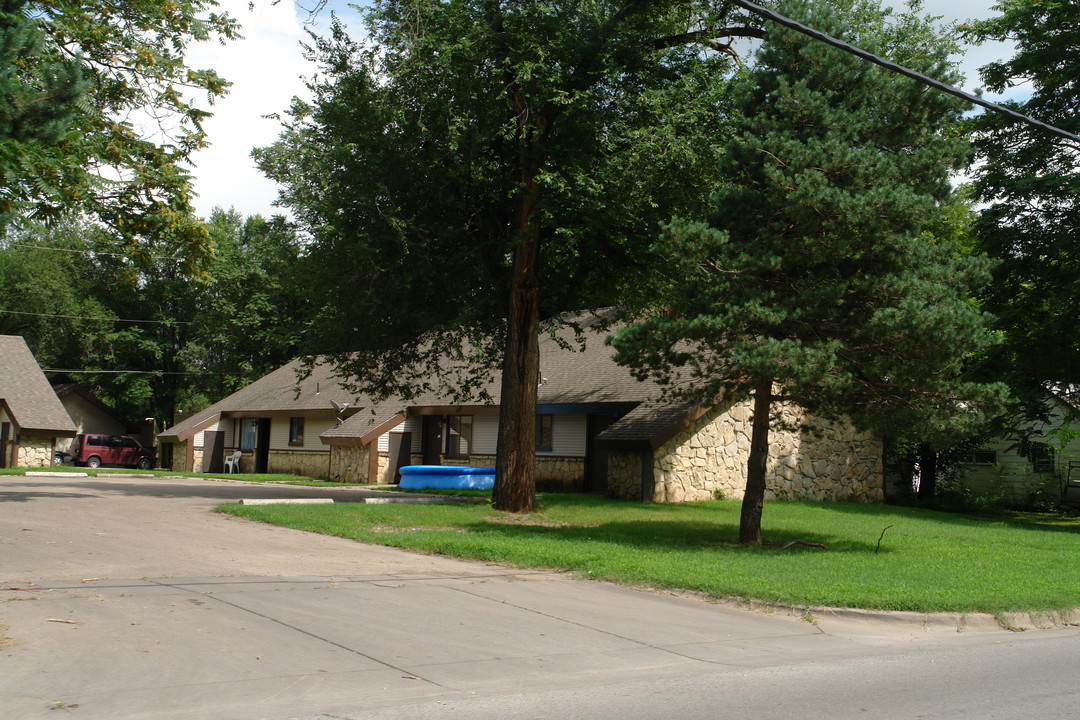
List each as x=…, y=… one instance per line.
x=262, y=445
x=214, y=451
x=431, y=441
x=400, y=447
x=596, y=459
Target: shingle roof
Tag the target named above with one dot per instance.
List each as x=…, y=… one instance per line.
x=26, y=392
x=281, y=390
x=571, y=374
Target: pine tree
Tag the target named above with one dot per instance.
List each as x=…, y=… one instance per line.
x=814, y=278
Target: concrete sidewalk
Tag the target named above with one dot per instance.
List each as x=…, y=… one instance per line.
x=129, y=598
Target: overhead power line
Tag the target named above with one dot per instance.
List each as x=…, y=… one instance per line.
x=894, y=67
x=90, y=317
x=130, y=372
x=85, y=251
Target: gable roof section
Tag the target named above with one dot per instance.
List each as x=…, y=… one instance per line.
x=69, y=389
x=571, y=375
x=24, y=390
x=280, y=391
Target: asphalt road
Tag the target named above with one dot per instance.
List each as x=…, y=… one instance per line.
x=128, y=598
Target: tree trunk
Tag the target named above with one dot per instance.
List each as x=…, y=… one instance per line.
x=754, y=497
x=515, y=458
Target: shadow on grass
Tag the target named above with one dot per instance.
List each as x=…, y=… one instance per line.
x=1020, y=520
x=651, y=535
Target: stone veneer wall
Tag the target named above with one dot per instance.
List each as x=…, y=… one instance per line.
x=35, y=451
x=312, y=464
x=560, y=474
x=819, y=461
x=179, y=457
x=624, y=474
x=384, y=476
x=197, y=460
x=349, y=463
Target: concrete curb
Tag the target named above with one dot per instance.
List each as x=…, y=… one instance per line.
x=46, y=473
x=287, y=501
x=898, y=619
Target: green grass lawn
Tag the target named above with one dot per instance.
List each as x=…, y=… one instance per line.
x=928, y=561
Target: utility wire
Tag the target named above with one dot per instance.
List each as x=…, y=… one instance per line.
x=89, y=317
x=894, y=67
x=85, y=251
x=131, y=372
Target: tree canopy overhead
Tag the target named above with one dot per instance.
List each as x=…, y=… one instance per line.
x=95, y=115
x=1030, y=186
x=480, y=165
x=817, y=271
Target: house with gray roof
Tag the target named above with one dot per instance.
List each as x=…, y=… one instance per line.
x=598, y=430
x=32, y=419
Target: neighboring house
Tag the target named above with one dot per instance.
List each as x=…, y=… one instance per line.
x=91, y=415
x=1031, y=463
x=32, y=419
x=598, y=430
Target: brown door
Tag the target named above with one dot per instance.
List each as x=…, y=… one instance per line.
x=214, y=451
x=596, y=460
x=262, y=445
x=400, y=445
x=431, y=440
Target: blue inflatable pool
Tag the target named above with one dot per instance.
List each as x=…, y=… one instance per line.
x=422, y=477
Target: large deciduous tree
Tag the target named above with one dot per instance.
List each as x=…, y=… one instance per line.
x=1029, y=183
x=816, y=276
x=477, y=166
x=95, y=112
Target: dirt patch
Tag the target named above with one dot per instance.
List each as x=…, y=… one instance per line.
x=425, y=528
x=5, y=641
x=534, y=521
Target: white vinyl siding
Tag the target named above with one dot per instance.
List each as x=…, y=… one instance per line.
x=413, y=424
x=313, y=428
x=199, y=440
x=1013, y=473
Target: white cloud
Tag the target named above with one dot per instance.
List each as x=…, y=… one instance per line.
x=267, y=69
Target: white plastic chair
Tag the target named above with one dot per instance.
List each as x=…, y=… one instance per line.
x=232, y=462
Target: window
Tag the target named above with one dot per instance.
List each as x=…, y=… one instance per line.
x=458, y=435
x=247, y=433
x=545, y=432
x=296, y=431
x=1042, y=458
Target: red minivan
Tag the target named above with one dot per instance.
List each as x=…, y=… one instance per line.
x=96, y=450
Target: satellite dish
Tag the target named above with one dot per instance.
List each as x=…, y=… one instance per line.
x=339, y=411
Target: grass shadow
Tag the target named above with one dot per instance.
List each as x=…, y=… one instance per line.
x=652, y=535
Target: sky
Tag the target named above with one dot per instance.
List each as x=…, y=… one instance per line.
x=267, y=69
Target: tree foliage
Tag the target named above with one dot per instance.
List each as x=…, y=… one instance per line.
x=816, y=272
x=143, y=333
x=477, y=166
x=95, y=113
x=1029, y=182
